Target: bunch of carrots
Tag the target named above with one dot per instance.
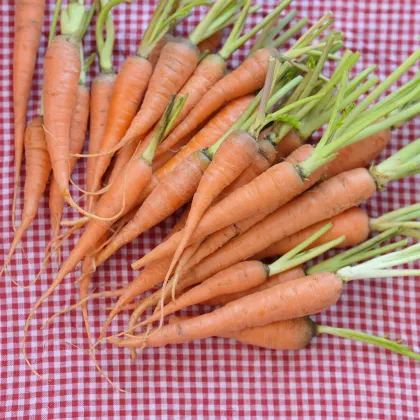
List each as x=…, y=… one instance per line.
x=173, y=129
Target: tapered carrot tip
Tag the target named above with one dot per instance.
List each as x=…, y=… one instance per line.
x=116, y=341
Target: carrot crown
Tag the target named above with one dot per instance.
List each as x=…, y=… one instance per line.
x=369, y=339
x=167, y=14
x=164, y=126
x=350, y=126
x=73, y=20
x=405, y=219
x=106, y=46
x=270, y=38
x=235, y=40
x=298, y=255
x=362, y=252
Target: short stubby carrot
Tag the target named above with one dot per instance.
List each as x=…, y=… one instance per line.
x=78, y=129
x=38, y=168
x=211, y=132
x=29, y=15
x=352, y=223
x=100, y=100
x=283, y=277
x=168, y=196
x=302, y=297
x=291, y=334
x=127, y=95
x=245, y=79
x=62, y=68
x=234, y=155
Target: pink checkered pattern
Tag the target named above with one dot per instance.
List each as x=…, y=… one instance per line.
x=213, y=378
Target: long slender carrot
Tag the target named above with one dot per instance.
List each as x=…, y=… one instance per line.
x=231, y=159
x=29, y=16
x=258, y=309
x=154, y=55
x=326, y=200
x=38, y=168
x=213, y=130
x=78, y=129
x=296, y=334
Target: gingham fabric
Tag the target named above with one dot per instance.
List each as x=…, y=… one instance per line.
x=213, y=378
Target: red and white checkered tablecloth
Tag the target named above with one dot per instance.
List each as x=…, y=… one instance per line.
x=213, y=378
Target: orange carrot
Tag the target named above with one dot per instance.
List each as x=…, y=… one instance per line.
x=261, y=308
x=102, y=87
x=359, y=154
x=38, y=168
x=61, y=77
x=352, y=223
x=28, y=25
x=291, y=334
x=78, y=129
x=212, y=131
x=232, y=158
x=292, y=274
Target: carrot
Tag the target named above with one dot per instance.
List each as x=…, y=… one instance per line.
x=296, y=334
x=352, y=223
x=291, y=334
x=78, y=129
x=283, y=277
x=28, y=25
x=263, y=191
x=38, y=168
x=261, y=308
x=213, y=130
x=231, y=159
x=301, y=297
